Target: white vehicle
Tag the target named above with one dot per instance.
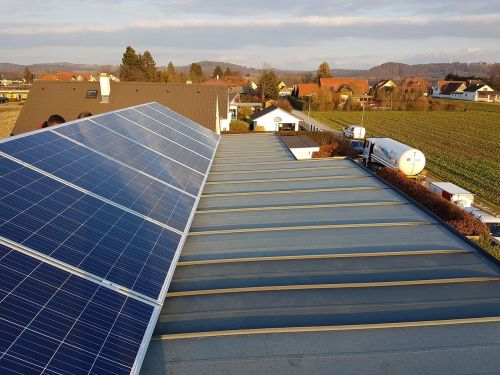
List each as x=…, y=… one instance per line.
x=493, y=222
x=355, y=132
x=453, y=193
x=386, y=152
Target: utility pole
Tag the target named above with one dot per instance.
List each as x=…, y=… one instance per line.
x=362, y=113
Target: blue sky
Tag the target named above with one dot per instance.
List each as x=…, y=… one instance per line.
x=288, y=34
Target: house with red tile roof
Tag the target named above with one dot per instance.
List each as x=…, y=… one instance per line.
x=416, y=84
x=358, y=86
x=305, y=89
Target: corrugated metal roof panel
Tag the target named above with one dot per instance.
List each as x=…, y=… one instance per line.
x=296, y=249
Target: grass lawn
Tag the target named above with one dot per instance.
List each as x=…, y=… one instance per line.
x=461, y=147
x=8, y=117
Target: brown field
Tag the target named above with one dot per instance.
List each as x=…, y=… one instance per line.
x=8, y=117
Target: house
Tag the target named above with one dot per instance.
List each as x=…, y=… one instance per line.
x=207, y=105
x=357, y=86
x=465, y=90
x=416, y=84
x=250, y=88
x=443, y=87
x=285, y=92
x=15, y=92
x=69, y=76
x=305, y=89
x=384, y=84
x=346, y=86
x=232, y=113
x=273, y=118
x=488, y=96
x=301, y=146
x=472, y=92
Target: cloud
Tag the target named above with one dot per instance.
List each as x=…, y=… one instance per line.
x=13, y=28
x=281, y=31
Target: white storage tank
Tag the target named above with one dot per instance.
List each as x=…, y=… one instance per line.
x=393, y=154
x=453, y=193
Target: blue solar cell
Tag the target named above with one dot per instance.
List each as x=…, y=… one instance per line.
x=73, y=326
x=135, y=155
x=106, y=178
x=159, y=144
x=193, y=126
x=88, y=233
x=58, y=323
x=169, y=128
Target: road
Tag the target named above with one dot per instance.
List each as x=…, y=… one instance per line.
x=314, y=122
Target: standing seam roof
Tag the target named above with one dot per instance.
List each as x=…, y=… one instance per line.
x=296, y=267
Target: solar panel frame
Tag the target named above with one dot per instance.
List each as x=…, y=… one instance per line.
x=215, y=139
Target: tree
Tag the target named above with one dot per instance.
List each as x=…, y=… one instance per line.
x=196, y=73
x=244, y=113
x=322, y=100
x=218, y=73
x=268, y=83
x=131, y=67
x=494, y=80
x=148, y=65
x=284, y=105
x=323, y=71
x=170, y=74
x=28, y=78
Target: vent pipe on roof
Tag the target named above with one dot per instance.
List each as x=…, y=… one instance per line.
x=105, y=87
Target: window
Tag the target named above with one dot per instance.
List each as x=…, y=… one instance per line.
x=91, y=94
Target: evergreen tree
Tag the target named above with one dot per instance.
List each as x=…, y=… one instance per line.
x=323, y=71
x=170, y=74
x=268, y=85
x=131, y=67
x=217, y=72
x=196, y=73
x=228, y=73
x=27, y=75
x=148, y=65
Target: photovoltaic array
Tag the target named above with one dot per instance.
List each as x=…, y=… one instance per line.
x=93, y=216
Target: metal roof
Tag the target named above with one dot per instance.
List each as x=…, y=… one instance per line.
x=296, y=267
x=68, y=99
x=451, y=188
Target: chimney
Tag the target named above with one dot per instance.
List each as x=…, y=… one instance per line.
x=105, y=87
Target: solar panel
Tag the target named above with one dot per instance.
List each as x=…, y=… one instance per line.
x=107, y=178
x=183, y=122
x=58, y=323
x=153, y=141
x=133, y=154
x=95, y=213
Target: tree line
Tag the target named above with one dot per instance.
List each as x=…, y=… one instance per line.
x=136, y=67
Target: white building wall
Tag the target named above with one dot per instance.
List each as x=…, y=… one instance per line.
x=301, y=153
x=269, y=123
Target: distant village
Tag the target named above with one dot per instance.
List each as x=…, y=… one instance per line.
x=334, y=91
x=249, y=101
